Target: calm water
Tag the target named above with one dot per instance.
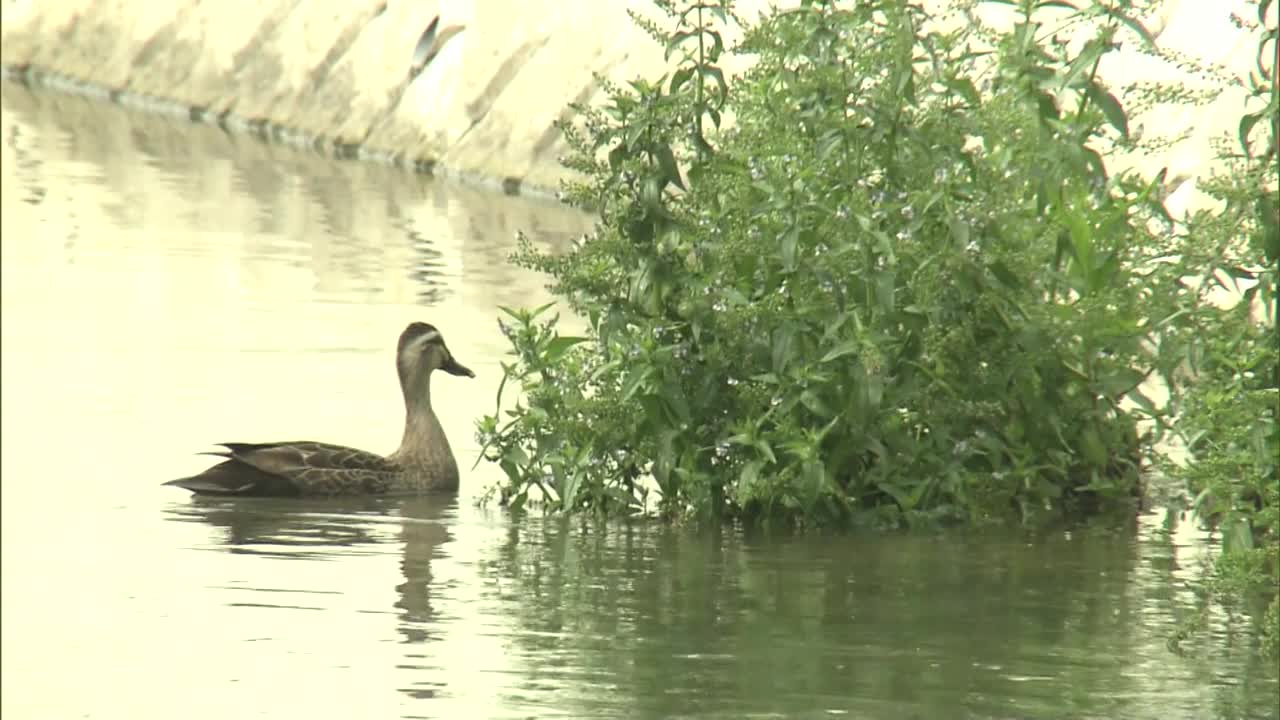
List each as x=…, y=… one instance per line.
x=166, y=286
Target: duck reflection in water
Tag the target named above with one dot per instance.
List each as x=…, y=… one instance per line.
x=335, y=528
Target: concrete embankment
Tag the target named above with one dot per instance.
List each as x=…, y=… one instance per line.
x=478, y=100
x=338, y=76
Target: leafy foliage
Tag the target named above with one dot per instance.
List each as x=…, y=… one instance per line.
x=1227, y=396
x=901, y=287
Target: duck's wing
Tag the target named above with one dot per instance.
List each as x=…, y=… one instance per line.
x=292, y=468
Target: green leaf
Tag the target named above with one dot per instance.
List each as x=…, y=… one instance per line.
x=512, y=471
x=681, y=76
x=815, y=404
x=1110, y=106
x=1246, y=126
x=716, y=74
x=651, y=193
x=558, y=347
x=1121, y=381
x=1133, y=24
x=667, y=162
x=1005, y=275
x=665, y=461
x=815, y=475
x=1237, y=534
x=1095, y=164
x=765, y=450
x=845, y=348
x=874, y=389
x=959, y=230
x=734, y=296
x=829, y=141
x=634, y=381
x=1269, y=221
x=1105, y=272
x=1239, y=273
x=572, y=484
x=783, y=349
x=502, y=384
x=605, y=368
x=622, y=497
x=750, y=474
x=884, y=287
x=1084, y=62
x=616, y=156
x=1141, y=400
x=1047, y=105
x=517, y=501
x=673, y=44
x=907, y=498
x=1092, y=447
x=1081, y=252
x=788, y=239
x=965, y=88
x=677, y=404
x=657, y=411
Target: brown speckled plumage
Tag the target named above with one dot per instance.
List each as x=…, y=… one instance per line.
x=423, y=463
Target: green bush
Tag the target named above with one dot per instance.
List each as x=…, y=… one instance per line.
x=904, y=287
x=901, y=287
x=1228, y=394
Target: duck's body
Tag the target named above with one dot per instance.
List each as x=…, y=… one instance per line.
x=423, y=463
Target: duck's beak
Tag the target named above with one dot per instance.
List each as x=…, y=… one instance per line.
x=453, y=367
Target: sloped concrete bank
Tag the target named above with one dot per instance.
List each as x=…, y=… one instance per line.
x=262, y=128
x=468, y=89
x=464, y=89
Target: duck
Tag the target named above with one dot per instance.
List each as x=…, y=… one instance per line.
x=423, y=463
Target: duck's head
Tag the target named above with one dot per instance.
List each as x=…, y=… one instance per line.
x=421, y=349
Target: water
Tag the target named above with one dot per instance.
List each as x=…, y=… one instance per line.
x=167, y=286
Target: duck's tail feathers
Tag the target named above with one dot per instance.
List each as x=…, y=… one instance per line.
x=232, y=477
